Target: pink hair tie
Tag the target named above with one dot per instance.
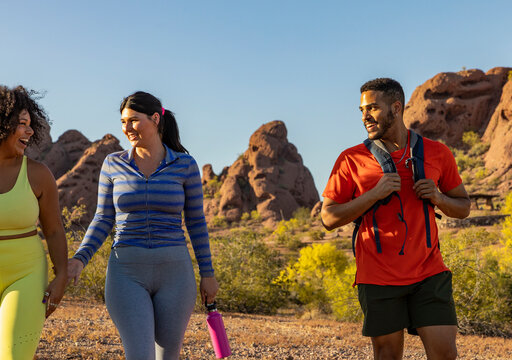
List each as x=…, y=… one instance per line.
x=163, y=111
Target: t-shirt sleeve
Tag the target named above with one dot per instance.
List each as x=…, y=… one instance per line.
x=450, y=177
x=340, y=186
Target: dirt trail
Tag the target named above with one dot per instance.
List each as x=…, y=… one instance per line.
x=83, y=330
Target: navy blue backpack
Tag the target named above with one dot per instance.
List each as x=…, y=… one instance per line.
x=416, y=160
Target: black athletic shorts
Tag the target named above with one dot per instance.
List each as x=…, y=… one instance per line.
x=388, y=309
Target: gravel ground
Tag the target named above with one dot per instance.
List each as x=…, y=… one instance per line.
x=81, y=330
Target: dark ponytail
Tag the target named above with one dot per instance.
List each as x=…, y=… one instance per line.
x=168, y=127
x=146, y=103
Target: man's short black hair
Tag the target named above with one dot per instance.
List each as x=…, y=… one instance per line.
x=391, y=89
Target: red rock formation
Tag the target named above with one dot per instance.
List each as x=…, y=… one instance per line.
x=38, y=152
x=80, y=185
x=66, y=152
x=449, y=104
x=208, y=174
x=269, y=177
x=499, y=135
x=62, y=155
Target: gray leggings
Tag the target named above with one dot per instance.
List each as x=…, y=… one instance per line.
x=150, y=295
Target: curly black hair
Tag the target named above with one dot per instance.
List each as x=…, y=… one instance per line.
x=12, y=103
x=391, y=88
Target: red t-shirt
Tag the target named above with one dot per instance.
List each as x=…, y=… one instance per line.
x=357, y=171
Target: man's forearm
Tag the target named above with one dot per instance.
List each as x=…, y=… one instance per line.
x=455, y=207
x=335, y=215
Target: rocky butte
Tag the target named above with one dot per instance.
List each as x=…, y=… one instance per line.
x=269, y=177
x=449, y=104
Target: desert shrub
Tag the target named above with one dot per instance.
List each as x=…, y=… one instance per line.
x=245, y=216
x=471, y=156
x=245, y=268
x=465, y=162
x=481, y=174
x=474, y=143
x=288, y=233
x=92, y=279
x=218, y=222
x=504, y=253
x=321, y=279
x=481, y=292
x=507, y=224
x=292, y=242
x=470, y=138
x=255, y=215
x=285, y=228
x=343, y=296
x=302, y=215
x=212, y=188
x=316, y=234
x=479, y=149
x=467, y=179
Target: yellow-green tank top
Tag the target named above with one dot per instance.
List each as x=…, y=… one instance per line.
x=19, y=208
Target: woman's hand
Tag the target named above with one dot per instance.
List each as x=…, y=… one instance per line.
x=208, y=289
x=54, y=293
x=75, y=268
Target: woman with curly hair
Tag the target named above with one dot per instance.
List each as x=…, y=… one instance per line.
x=150, y=288
x=28, y=192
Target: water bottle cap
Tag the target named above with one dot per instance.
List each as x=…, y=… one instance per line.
x=211, y=307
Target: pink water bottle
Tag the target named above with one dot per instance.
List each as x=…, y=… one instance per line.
x=217, y=332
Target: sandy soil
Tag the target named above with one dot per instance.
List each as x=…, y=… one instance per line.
x=83, y=330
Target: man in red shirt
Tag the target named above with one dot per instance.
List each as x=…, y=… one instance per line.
x=402, y=282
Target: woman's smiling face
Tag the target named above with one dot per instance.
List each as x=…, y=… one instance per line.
x=17, y=142
x=139, y=128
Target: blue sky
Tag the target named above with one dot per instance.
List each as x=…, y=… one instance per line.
x=227, y=67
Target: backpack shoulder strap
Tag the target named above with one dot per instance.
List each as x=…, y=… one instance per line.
x=418, y=170
x=381, y=154
x=417, y=156
x=387, y=164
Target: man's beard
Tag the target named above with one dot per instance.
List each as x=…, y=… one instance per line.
x=383, y=127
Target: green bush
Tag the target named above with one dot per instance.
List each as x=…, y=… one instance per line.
x=92, y=280
x=344, y=297
x=470, y=138
x=507, y=225
x=302, y=215
x=481, y=174
x=479, y=149
x=321, y=278
x=480, y=290
x=285, y=229
x=466, y=162
x=245, y=268
x=219, y=222
x=471, y=157
x=255, y=215
x=467, y=179
x=316, y=234
x=212, y=188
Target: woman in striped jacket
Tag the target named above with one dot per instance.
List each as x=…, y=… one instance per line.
x=150, y=287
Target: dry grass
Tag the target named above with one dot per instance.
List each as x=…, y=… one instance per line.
x=83, y=330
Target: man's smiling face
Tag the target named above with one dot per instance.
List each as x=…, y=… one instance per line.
x=377, y=115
